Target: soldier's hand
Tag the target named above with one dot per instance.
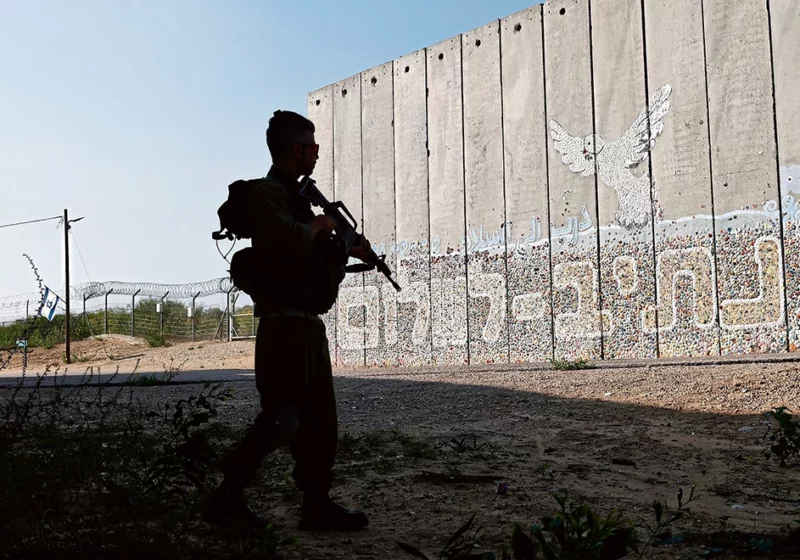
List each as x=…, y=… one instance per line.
x=322, y=224
x=360, y=248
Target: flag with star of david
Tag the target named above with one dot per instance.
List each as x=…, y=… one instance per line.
x=49, y=304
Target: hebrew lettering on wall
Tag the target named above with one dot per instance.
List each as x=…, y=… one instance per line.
x=685, y=290
x=351, y=329
x=766, y=308
x=584, y=321
x=697, y=266
x=686, y=295
x=447, y=301
x=492, y=288
x=750, y=279
x=417, y=295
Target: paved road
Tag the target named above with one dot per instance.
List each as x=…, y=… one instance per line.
x=11, y=379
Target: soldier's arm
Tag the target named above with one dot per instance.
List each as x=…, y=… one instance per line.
x=276, y=230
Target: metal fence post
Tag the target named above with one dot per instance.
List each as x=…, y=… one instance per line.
x=234, y=297
x=161, y=315
x=194, y=320
x=133, y=312
x=228, y=314
x=105, y=314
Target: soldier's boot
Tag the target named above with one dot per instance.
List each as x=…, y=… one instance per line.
x=321, y=513
x=226, y=508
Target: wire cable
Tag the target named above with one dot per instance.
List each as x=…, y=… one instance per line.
x=32, y=221
x=86, y=270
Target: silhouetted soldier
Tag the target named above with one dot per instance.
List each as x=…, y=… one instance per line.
x=292, y=360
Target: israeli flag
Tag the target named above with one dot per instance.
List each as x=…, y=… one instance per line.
x=49, y=304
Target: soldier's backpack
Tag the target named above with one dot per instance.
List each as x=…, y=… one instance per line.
x=233, y=218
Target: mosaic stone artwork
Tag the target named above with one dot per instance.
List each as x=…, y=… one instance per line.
x=427, y=319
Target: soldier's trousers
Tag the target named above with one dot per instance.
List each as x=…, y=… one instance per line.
x=298, y=405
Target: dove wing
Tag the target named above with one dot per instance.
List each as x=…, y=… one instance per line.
x=641, y=136
x=571, y=150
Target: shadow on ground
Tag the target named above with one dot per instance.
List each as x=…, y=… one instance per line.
x=421, y=454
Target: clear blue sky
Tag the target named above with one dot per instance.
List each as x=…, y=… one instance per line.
x=137, y=115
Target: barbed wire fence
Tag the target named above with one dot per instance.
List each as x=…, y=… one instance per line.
x=153, y=311
x=161, y=314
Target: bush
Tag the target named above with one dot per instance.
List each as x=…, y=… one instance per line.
x=575, y=534
x=156, y=340
x=785, y=439
x=81, y=474
x=578, y=533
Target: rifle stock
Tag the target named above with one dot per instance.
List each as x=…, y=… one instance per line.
x=346, y=226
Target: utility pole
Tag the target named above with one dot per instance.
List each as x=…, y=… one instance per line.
x=66, y=275
x=66, y=278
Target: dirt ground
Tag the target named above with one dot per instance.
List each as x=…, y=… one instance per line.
x=612, y=438
x=127, y=354
x=422, y=450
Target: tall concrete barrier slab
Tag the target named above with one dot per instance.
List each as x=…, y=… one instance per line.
x=785, y=35
x=485, y=197
x=530, y=314
x=685, y=315
x=320, y=112
x=377, y=152
x=572, y=179
x=411, y=325
x=576, y=180
x=625, y=118
x=749, y=248
x=350, y=308
x=447, y=219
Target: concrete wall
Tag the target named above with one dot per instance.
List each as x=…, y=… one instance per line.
x=582, y=179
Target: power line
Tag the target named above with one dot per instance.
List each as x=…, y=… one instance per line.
x=75, y=239
x=30, y=222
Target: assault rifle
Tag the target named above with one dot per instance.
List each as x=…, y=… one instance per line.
x=346, y=228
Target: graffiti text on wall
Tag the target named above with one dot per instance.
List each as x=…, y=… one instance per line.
x=379, y=303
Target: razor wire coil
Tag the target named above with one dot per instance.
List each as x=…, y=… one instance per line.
x=91, y=290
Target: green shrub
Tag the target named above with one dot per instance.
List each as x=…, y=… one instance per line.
x=575, y=534
x=785, y=439
x=156, y=340
x=570, y=365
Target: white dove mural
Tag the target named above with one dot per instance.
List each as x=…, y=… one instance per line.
x=616, y=160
